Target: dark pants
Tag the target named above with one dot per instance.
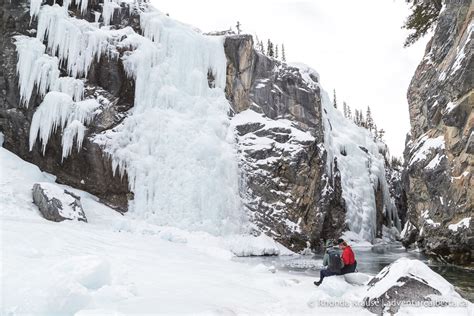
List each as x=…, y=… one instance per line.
x=349, y=268
x=325, y=273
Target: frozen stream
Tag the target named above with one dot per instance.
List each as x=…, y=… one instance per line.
x=371, y=262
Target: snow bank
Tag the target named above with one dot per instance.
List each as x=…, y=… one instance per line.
x=247, y=245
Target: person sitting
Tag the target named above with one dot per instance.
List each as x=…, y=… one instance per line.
x=348, y=257
x=332, y=259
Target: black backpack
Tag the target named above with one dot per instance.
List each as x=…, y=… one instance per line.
x=335, y=262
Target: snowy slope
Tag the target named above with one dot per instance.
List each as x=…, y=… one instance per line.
x=121, y=266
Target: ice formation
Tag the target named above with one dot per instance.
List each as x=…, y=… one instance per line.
x=176, y=146
x=108, y=10
x=76, y=42
x=360, y=162
x=58, y=110
x=346, y=141
x=35, y=68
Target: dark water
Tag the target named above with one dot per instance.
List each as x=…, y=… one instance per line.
x=371, y=262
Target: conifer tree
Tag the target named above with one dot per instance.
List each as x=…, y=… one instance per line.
x=334, y=99
x=349, y=113
x=376, y=133
x=381, y=134
x=369, y=120
x=238, y=25
x=283, y=54
x=344, y=107
x=270, y=51
x=262, y=47
x=423, y=17
x=276, y=51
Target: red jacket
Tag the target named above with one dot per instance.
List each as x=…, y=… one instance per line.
x=348, y=256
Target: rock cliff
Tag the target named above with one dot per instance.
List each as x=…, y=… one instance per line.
x=303, y=178
x=439, y=151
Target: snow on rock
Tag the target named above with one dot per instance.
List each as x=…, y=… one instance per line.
x=59, y=110
x=407, y=280
x=464, y=223
x=57, y=204
x=424, y=146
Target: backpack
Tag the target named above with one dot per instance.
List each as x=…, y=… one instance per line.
x=335, y=262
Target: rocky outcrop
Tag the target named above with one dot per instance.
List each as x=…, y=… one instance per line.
x=56, y=204
x=409, y=283
x=438, y=177
x=279, y=131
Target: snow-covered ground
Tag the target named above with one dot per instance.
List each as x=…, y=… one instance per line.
x=122, y=265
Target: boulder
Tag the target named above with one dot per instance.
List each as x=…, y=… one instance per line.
x=57, y=204
x=407, y=281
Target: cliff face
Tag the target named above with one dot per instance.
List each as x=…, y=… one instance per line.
x=439, y=153
x=88, y=169
x=302, y=178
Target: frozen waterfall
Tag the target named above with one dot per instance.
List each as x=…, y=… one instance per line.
x=176, y=144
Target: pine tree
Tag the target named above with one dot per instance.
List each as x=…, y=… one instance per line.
x=344, y=107
x=423, y=17
x=381, y=134
x=270, y=51
x=238, y=25
x=283, y=55
x=276, y=51
x=369, y=120
x=349, y=113
x=376, y=133
x=262, y=47
x=356, y=117
x=334, y=99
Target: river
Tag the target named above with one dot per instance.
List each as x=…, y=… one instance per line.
x=371, y=262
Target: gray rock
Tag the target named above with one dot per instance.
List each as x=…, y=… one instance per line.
x=56, y=204
x=438, y=181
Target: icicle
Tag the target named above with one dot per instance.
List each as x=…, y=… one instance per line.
x=34, y=68
x=58, y=110
x=108, y=10
x=35, y=6
x=52, y=113
x=73, y=87
x=76, y=42
x=82, y=5
x=74, y=129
